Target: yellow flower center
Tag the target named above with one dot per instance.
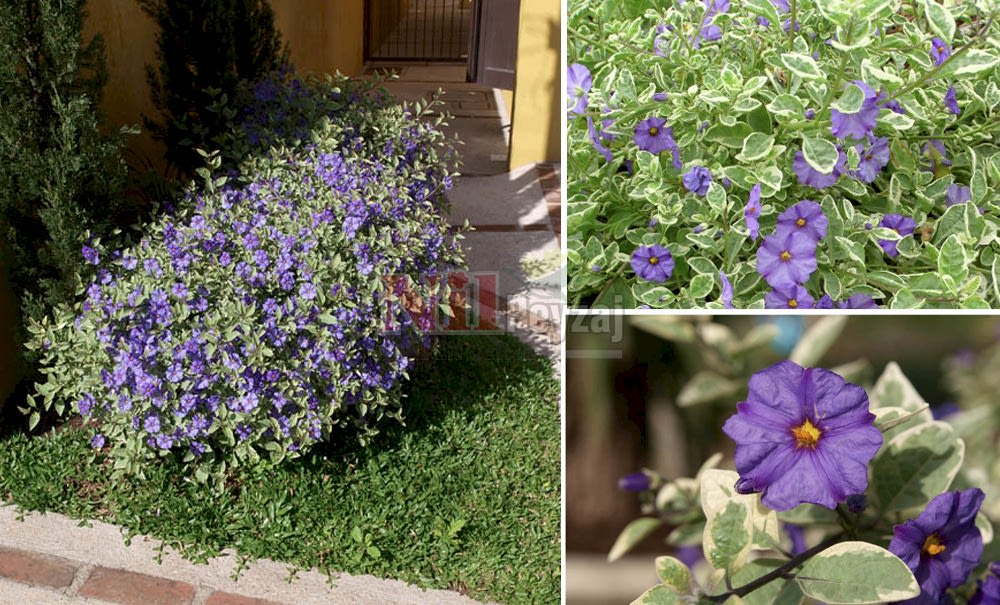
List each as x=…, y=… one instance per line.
x=785, y=255
x=793, y=304
x=806, y=435
x=933, y=545
x=653, y=130
x=653, y=260
x=801, y=222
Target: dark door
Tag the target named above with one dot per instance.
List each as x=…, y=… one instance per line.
x=494, y=43
x=417, y=30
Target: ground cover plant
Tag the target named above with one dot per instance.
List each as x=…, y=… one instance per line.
x=465, y=496
x=841, y=493
x=269, y=310
x=783, y=154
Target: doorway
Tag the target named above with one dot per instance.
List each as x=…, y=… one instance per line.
x=418, y=30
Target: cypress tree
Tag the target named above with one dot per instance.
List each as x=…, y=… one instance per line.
x=205, y=48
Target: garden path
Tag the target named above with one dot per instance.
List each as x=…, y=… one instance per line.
x=515, y=215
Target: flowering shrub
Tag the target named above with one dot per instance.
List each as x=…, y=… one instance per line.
x=261, y=316
x=855, y=137
x=841, y=494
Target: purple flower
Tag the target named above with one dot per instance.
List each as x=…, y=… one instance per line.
x=957, y=194
x=697, y=180
x=802, y=435
x=951, y=101
x=91, y=255
x=635, y=482
x=716, y=6
x=942, y=545
x=654, y=136
x=751, y=213
x=988, y=589
x=797, y=536
x=873, y=160
x=940, y=51
x=787, y=258
x=578, y=83
x=811, y=177
x=97, y=441
x=711, y=32
x=805, y=217
x=858, y=301
x=902, y=225
x=810, y=113
x=792, y=297
x=653, y=263
x=825, y=302
x=727, y=291
x=859, y=124
x=595, y=139
x=660, y=96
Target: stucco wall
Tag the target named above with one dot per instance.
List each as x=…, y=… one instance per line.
x=536, y=128
x=324, y=36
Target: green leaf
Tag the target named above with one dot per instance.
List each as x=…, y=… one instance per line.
x=888, y=418
x=727, y=536
x=940, y=20
x=871, y=8
x=672, y=328
x=856, y=572
x=851, y=100
x=730, y=136
x=953, y=261
x=803, y=66
x=764, y=8
x=707, y=386
x=674, y=574
x=821, y=154
x=817, y=340
x=657, y=595
x=786, y=105
x=985, y=527
x=701, y=286
x=915, y=466
x=871, y=72
x=892, y=389
x=777, y=592
x=633, y=533
x=756, y=146
x=969, y=63
x=33, y=419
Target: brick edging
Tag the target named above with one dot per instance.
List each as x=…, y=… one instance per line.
x=552, y=190
x=107, y=584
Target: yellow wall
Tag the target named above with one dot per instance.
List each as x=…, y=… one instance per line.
x=536, y=134
x=324, y=36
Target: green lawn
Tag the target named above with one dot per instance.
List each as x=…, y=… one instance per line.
x=464, y=497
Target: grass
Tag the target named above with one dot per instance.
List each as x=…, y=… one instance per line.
x=464, y=497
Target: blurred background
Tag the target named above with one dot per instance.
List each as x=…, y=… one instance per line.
x=653, y=392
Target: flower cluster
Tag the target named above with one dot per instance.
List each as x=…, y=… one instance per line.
x=674, y=112
x=254, y=320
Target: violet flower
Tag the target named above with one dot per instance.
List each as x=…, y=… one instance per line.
x=805, y=217
x=595, y=140
x=940, y=51
x=653, y=135
x=942, y=545
x=727, y=291
x=957, y=194
x=802, y=435
x=635, y=482
x=902, y=225
x=951, y=101
x=653, y=263
x=858, y=301
x=859, y=124
x=697, y=180
x=751, y=213
x=793, y=297
x=578, y=83
x=811, y=177
x=873, y=160
x=988, y=589
x=787, y=258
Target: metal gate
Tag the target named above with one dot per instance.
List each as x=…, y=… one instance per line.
x=417, y=30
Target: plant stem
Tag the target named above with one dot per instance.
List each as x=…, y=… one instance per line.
x=777, y=572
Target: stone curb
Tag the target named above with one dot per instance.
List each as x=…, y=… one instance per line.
x=50, y=558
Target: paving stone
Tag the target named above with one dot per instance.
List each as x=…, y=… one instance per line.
x=228, y=598
x=36, y=569
x=129, y=588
